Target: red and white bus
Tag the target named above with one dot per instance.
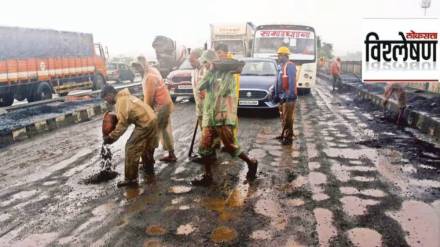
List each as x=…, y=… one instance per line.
x=301, y=41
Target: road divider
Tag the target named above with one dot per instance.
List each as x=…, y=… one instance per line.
x=79, y=114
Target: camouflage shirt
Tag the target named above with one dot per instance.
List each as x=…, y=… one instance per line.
x=220, y=102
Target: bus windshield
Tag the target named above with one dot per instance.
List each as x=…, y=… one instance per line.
x=301, y=43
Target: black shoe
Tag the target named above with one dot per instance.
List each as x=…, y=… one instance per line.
x=204, y=182
x=287, y=141
x=196, y=159
x=280, y=137
x=148, y=169
x=252, y=173
x=125, y=183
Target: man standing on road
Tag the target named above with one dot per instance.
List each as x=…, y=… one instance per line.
x=286, y=94
x=336, y=73
x=219, y=119
x=156, y=95
x=143, y=140
x=196, y=76
x=396, y=90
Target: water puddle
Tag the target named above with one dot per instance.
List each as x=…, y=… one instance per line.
x=272, y=209
x=179, y=189
x=363, y=179
x=153, y=243
x=155, y=230
x=364, y=237
x=185, y=229
x=223, y=234
x=340, y=173
x=354, y=154
x=320, y=197
x=179, y=169
x=133, y=192
x=184, y=207
x=261, y=235
x=295, y=202
x=257, y=153
x=366, y=192
x=324, y=226
x=317, y=178
x=355, y=206
x=420, y=221
x=314, y=165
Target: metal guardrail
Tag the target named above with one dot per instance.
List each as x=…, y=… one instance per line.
x=5, y=110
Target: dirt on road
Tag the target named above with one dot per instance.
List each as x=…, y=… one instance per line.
x=349, y=179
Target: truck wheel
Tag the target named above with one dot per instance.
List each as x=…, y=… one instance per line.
x=98, y=82
x=6, y=100
x=43, y=92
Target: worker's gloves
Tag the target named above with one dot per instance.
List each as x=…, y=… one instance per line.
x=108, y=140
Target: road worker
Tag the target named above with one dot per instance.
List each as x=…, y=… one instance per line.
x=396, y=91
x=220, y=117
x=286, y=94
x=156, y=95
x=199, y=70
x=335, y=68
x=143, y=140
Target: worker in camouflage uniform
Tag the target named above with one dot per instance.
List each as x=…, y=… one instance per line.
x=220, y=118
x=143, y=140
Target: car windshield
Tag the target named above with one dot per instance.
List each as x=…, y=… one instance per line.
x=234, y=46
x=111, y=66
x=259, y=68
x=186, y=65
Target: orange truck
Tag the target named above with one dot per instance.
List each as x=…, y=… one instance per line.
x=36, y=63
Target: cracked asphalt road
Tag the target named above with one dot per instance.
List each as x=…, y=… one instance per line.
x=330, y=188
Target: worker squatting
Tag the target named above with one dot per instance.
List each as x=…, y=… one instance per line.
x=215, y=85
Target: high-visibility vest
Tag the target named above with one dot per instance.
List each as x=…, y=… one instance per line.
x=285, y=78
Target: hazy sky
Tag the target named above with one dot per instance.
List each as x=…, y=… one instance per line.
x=129, y=26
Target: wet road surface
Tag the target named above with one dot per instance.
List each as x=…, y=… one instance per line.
x=341, y=183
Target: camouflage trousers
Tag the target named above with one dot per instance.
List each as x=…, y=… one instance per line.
x=225, y=133
x=141, y=144
x=287, y=113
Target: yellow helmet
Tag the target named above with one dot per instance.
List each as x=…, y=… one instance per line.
x=283, y=50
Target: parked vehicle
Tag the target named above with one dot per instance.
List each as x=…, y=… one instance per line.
x=257, y=82
x=301, y=41
x=238, y=37
x=179, y=81
x=35, y=63
x=119, y=72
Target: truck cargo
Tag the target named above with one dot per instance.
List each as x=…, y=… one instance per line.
x=35, y=63
x=238, y=37
x=169, y=56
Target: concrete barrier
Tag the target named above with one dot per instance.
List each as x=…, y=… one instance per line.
x=44, y=126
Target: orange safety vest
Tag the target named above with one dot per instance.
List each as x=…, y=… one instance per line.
x=285, y=79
